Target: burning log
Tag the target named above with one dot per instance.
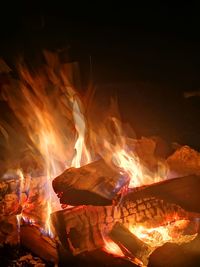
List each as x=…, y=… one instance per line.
x=131, y=245
x=177, y=256
x=9, y=197
x=95, y=183
x=36, y=198
x=83, y=228
x=41, y=245
x=183, y=191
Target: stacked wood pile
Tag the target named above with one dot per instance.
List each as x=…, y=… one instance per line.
x=83, y=228
x=103, y=208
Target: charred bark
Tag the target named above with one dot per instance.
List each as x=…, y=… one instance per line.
x=183, y=191
x=83, y=228
x=131, y=245
x=42, y=246
x=93, y=184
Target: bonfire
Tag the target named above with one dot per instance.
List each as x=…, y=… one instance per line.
x=78, y=183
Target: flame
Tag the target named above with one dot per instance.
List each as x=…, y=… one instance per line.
x=115, y=149
x=48, y=106
x=50, y=110
x=154, y=237
x=112, y=248
x=80, y=146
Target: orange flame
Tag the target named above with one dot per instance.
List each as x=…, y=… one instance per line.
x=112, y=248
x=51, y=112
x=80, y=147
x=112, y=145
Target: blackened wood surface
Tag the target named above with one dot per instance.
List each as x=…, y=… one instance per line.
x=124, y=238
x=35, y=241
x=183, y=191
x=95, y=183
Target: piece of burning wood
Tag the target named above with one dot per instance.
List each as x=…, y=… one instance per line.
x=10, y=205
x=95, y=183
x=184, y=161
x=185, y=255
x=36, y=197
x=34, y=240
x=83, y=228
x=183, y=191
x=10, y=194
x=130, y=244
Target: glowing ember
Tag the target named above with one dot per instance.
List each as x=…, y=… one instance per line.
x=156, y=237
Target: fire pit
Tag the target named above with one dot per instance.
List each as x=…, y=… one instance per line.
x=81, y=190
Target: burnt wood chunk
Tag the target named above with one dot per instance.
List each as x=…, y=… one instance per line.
x=183, y=191
x=83, y=228
x=185, y=255
x=130, y=244
x=42, y=246
x=95, y=183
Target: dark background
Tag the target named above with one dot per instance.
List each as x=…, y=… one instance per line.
x=146, y=53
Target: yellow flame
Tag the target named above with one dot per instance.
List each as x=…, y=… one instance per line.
x=112, y=248
x=80, y=146
x=115, y=150
x=131, y=165
x=50, y=110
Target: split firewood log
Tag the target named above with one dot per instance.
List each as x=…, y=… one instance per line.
x=186, y=255
x=95, y=183
x=35, y=206
x=183, y=191
x=40, y=245
x=134, y=248
x=86, y=226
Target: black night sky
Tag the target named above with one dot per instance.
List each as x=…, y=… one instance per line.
x=146, y=53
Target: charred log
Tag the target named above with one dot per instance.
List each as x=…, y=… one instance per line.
x=132, y=246
x=35, y=241
x=186, y=255
x=83, y=228
x=183, y=191
x=92, y=184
